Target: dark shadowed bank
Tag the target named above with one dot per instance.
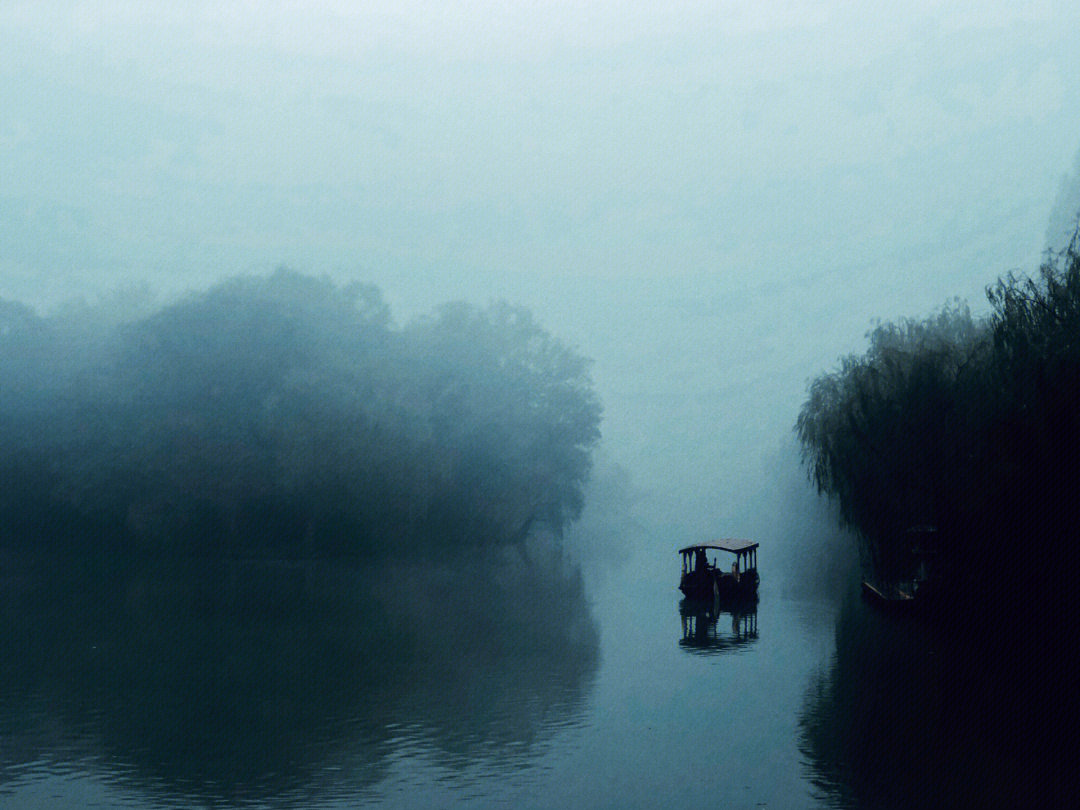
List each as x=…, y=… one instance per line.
x=292, y=414
x=910, y=714
x=972, y=427
x=968, y=425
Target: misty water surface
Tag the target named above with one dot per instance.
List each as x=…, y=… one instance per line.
x=713, y=201
x=467, y=683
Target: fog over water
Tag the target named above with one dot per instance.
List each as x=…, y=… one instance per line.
x=712, y=201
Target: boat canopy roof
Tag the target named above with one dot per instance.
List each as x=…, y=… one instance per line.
x=727, y=544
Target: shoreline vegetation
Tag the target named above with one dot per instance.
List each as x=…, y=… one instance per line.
x=288, y=416
x=969, y=425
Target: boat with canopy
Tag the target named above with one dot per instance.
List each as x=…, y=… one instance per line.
x=703, y=578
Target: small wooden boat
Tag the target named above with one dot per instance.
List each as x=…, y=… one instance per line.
x=923, y=585
x=702, y=579
x=890, y=598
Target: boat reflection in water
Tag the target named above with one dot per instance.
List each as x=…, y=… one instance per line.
x=712, y=626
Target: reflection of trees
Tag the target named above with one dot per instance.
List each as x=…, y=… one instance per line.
x=912, y=716
x=715, y=625
x=240, y=681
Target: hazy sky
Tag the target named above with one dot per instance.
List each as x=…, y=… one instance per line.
x=711, y=199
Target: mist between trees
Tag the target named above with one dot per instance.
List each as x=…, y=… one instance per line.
x=971, y=425
x=288, y=414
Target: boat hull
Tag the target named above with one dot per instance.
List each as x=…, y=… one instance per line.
x=894, y=600
x=712, y=583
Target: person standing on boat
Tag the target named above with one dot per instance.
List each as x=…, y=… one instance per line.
x=702, y=561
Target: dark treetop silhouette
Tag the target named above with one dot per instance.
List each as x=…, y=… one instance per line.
x=291, y=410
x=968, y=425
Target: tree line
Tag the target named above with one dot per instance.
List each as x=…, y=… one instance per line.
x=288, y=412
x=970, y=425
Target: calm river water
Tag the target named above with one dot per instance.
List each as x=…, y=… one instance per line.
x=275, y=685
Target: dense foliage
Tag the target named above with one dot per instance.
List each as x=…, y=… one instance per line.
x=288, y=411
x=969, y=425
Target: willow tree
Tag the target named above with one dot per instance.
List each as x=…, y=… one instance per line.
x=970, y=425
x=886, y=435
x=1036, y=368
